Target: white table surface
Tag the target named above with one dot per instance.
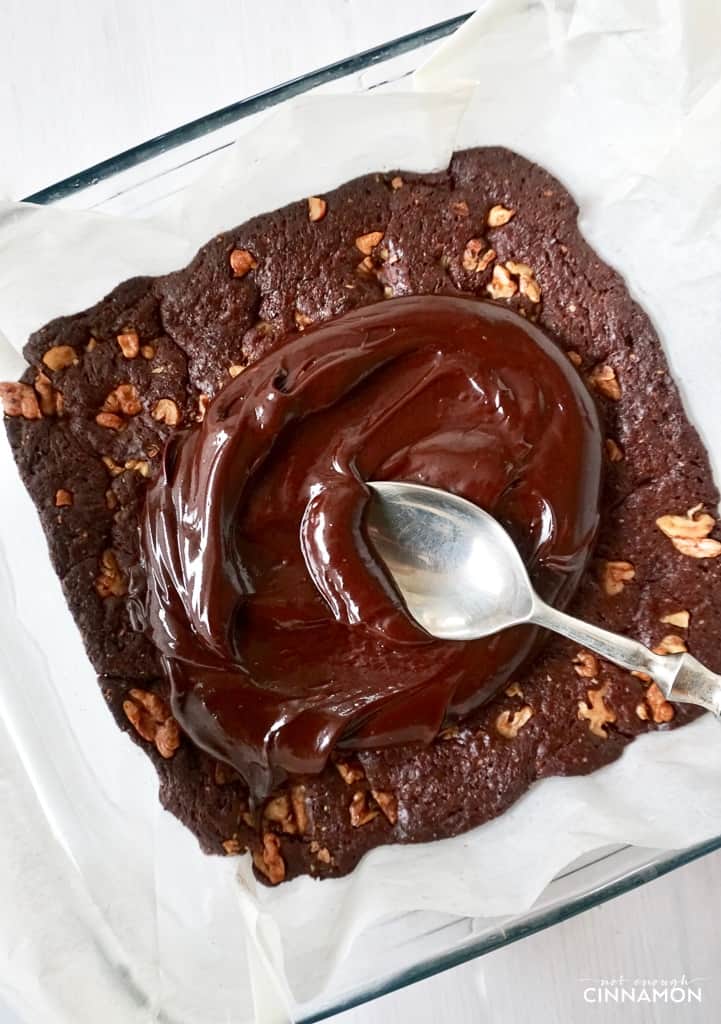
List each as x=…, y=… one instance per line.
x=81, y=80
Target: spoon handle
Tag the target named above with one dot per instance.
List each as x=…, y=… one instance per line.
x=680, y=677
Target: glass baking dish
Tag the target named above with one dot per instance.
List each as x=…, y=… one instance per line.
x=403, y=949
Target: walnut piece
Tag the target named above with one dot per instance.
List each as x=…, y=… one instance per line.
x=59, y=357
x=63, y=498
x=235, y=370
x=350, y=772
x=123, y=399
x=269, y=861
x=498, y=216
x=603, y=379
x=575, y=357
x=301, y=320
x=514, y=690
x=397, y=182
x=129, y=343
x=642, y=711
x=501, y=285
x=51, y=401
x=366, y=243
x=110, y=420
x=297, y=799
x=460, y=208
x=166, y=411
x=689, y=534
x=279, y=811
x=680, y=619
x=661, y=709
x=111, y=465
x=596, y=712
x=527, y=282
x=360, y=811
x=613, y=451
x=614, y=576
x=317, y=208
x=20, y=400
x=147, y=352
x=232, y=847
x=110, y=582
x=241, y=261
x=670, y=644
x=366, y=267
x=387, y=803
x=510, y=723
x=150, y=716
x=586, y=665
x=475, y=259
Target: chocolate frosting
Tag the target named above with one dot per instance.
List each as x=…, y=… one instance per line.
x=278, y=628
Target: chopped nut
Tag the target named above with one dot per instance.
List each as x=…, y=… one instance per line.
x=232, y=847
x=498, y=216
x=449, y=733
x=123, y=399
x=586, y=665
x=350, y=773
x=510, y=723
x=297, y=799
x=129, y=344
x=235, y=370
x=147, y=352
x=689, y=534
x=527, y=282
x=366, y=243
x=279, y=811
x=680, y=619
x=151, y=718
x=110, y=582
x=110, y=420
x=642, y=711
x=387, y=803
x=397, y=182
x=596, y=712
x=167, y=411
x=323, y=854
x=474, y=258
x=113, y=468
x=366, y=267
x=59, y=357
x=63, y=498
x=614, y=576
x=643, y=676
x=91, y=345
x=20, y=400
x=360, y=812
x=301, y=320
x=661, y=709
x=603, y=379
x=614, y=453
x=460, y=208
x=388, y=292
x=269, y=861
x=241, y=261
x=502, y=285
x=575, y=357
x=317, y=208
x=51, y=401
x=138, y=466
x=514, y=690
x=670, y=644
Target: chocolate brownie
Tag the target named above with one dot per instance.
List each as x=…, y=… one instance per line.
x=106, y=388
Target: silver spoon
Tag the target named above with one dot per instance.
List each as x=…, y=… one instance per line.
x=462, y=578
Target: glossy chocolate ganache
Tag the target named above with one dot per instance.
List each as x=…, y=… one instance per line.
x=278, y=628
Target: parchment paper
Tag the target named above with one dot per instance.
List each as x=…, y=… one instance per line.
x=109, y=910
